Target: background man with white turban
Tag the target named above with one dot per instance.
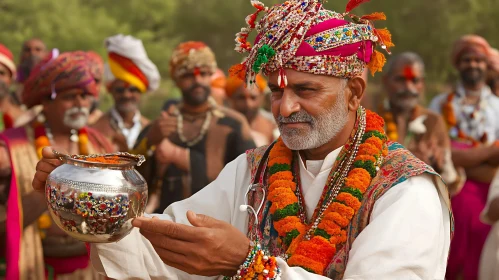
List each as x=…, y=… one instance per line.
x=129, y=74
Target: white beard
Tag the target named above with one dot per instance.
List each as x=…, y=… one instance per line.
x=76, y=122
x=324, y=127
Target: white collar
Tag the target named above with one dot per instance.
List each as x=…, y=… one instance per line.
x=485, y=91
x=119, y=119
x=314, y=167
x=131, y=134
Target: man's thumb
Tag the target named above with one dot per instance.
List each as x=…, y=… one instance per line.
x=200, y=220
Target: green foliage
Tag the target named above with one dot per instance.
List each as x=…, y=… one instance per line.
x=427, y=27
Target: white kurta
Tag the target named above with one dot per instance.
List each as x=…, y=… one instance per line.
x=489, y=262
x=407, y=238
x=473, y=128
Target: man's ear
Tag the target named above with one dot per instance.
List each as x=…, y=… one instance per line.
x=357, y=86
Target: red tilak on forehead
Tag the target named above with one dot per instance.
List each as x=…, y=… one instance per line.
x=409, y=73
x=197, y=71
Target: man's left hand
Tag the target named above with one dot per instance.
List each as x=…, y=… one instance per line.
x=209, y=247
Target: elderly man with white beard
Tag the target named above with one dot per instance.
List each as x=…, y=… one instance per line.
x=31, y=243
x=330, y=199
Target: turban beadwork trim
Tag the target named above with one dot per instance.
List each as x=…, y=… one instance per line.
x=304, y=36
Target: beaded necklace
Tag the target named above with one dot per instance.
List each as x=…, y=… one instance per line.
x=202, y=132
x=312, y=245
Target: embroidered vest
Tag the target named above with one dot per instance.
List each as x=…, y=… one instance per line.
x=399, y=165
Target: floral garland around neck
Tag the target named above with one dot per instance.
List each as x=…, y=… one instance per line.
x=313, y=245
x=42, y=140
x=455, y=132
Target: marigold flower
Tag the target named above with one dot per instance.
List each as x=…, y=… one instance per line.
x=283, y=175
x=349, y=200
x=375, y=141
x=282, y=184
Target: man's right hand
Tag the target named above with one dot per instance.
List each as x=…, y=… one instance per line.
x=162, y=128
x=44, y=167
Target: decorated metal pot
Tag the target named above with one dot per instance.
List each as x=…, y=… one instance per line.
x=94, y=198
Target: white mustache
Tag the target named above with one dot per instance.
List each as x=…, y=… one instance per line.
x=76, y=110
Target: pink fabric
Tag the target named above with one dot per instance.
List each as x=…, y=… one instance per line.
x=470, y=232
x=67, y=265
x=363, y=49
x=14, y=215
x=460, y=145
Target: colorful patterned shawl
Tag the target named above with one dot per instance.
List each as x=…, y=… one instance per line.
x=399, y=165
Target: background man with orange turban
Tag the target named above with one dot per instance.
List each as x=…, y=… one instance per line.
x=130, y=74
x=471, y=113
x=248, y=101
x=218, y=82
x=194, y=138
x=63, y=84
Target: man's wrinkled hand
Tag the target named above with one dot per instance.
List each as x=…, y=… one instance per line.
x=44, y=167
x=209, y=247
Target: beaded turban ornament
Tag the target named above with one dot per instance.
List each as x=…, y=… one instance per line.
x=304, y=36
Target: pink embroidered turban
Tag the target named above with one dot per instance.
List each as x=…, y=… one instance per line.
x=472, y=43
x=304, y=36
x=58, y=73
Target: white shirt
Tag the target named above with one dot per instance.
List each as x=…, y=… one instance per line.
x=475, y=129
x=131, y=134
x=407, y=238
x=489, y=262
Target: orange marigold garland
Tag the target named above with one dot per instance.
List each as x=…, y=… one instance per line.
x=42, y=140
x=452, y=124
x=315, y=254
x=257, y=266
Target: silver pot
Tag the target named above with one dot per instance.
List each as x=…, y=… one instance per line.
x=94, y=198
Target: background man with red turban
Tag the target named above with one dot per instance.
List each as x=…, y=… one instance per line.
x=130, y=74
x=10, y=109
x=249, y=101
x=471, y=113
x=31, y=243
